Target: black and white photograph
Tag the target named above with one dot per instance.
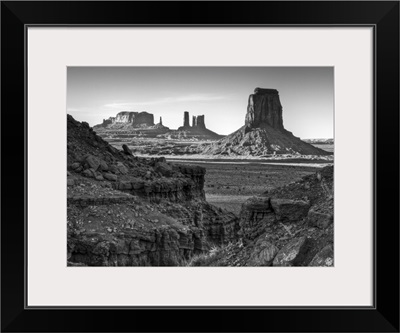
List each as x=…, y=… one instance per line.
x=200, y=166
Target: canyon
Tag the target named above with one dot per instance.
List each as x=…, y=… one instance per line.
x=126, y=210
x=142, y=194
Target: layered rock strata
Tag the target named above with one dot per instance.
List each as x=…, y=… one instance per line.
x=287, y=218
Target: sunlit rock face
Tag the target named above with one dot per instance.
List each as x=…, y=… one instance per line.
x=134, y=118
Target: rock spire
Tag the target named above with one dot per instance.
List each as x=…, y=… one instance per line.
x=186, y=119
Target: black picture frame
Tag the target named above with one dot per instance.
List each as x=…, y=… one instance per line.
x=383, y=316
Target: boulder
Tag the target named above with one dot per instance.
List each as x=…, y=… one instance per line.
x=124, y=186
x=114, y=169
x=88, y=173
x=295, y=253
x=126, y=149
x=75, y=165
x=93, y=162
x=264, y=253
x=323, y=257
x=138, y=185
x=70, y=182
x=99, y=177
x=122, y=168
x=110, y=176
x=288, y=210
x=319, y=219
x=103, y=166
x=164, y=168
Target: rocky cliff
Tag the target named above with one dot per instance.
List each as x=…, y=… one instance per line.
x=263, y=133
x=124, y=210
x=288, y=226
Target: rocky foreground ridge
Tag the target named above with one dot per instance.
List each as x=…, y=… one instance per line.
x=130, y=211
x=288, y=226
x=263, y=133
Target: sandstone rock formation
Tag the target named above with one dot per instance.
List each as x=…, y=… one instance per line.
x=186, y=119
x=197, y=131
x=135, y=119
x=124, y=210
x=130, y=124
x=264, y=108
x=263, y=133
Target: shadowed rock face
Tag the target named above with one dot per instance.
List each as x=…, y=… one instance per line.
x=200, y=122
x=186, y=119
x=264, y=108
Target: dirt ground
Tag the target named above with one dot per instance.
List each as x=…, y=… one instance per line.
x=228, y=185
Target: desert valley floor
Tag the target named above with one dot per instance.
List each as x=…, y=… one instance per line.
x=229, y=183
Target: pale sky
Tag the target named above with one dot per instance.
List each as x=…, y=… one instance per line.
x=219, y=93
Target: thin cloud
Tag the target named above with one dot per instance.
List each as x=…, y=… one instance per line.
x=168, y=100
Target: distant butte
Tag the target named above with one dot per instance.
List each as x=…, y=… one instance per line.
x=132, y=118
x=263, y=133
x=130, y=124
x=197, y=131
